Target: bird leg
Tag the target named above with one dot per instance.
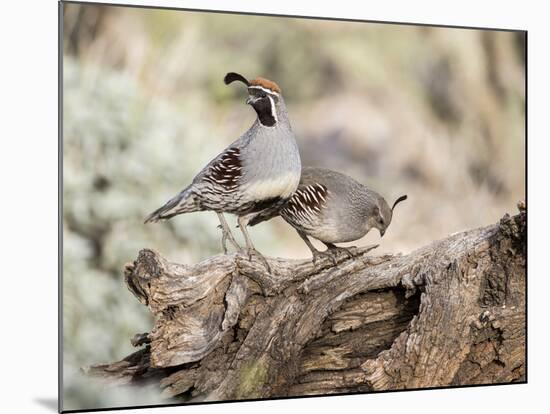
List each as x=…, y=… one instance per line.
x=249, y=246
x=316, y=253
x=335, y=249
x=226, y=234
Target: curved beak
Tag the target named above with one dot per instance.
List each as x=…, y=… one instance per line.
x=382, y=232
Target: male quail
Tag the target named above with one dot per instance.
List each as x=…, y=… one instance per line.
x=333, y=208
x=258, y=172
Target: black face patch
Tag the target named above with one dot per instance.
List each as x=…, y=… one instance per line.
x=262, y=106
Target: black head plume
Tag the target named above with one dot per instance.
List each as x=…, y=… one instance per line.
x=400, y=199
x=232, y=77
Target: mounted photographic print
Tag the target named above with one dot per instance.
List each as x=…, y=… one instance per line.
x=259, y=207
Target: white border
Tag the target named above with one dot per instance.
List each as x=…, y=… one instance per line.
x=28, y=159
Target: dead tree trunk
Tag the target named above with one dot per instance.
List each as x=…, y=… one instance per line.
x=450, y=313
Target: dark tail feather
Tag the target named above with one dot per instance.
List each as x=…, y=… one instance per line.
x=161, y=213
x=263, y=216
x=182, y=203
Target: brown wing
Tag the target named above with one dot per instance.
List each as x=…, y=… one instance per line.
x=225, y=171
x=306, y=204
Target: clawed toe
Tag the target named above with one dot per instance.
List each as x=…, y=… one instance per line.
x=332, y=253
x=226, y=234
x=254, y=252
x=346, y=250
x=349, y=251
x=326, y=254
x=225, y=237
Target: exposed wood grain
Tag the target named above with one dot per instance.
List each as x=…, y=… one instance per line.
x=450, y=313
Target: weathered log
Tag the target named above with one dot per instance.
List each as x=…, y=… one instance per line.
x=450, y=313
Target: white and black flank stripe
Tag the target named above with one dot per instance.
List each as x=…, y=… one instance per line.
x=226, y=171
x=306, y=203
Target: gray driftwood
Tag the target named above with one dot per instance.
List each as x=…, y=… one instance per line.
x=450, y=313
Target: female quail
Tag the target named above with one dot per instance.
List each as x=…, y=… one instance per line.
x=333, y=208
x=258, y=172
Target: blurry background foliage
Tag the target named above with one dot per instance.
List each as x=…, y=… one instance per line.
x=434, y=113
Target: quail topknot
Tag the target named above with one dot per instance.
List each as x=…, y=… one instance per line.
x=258, y=172
x=333, y=208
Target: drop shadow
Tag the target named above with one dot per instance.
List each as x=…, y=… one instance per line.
x=49, y=403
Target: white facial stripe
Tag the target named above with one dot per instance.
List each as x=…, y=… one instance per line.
x=273, y=111
x=269, y=91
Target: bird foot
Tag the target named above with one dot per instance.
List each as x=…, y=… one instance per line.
x=346, y=250
x=317, y=254
x=226, y=235
x=253, y=252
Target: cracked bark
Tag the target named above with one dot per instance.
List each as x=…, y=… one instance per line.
x=450, y=313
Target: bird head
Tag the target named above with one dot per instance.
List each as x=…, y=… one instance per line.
x=382, y=214
x=263, y=95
